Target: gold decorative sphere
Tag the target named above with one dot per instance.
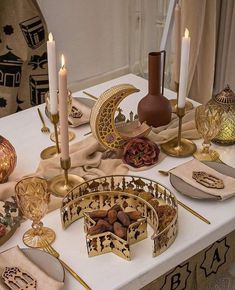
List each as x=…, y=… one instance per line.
x=7, y=159
x=225, y=100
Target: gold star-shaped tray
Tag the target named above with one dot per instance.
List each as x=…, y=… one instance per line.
x=155, y=202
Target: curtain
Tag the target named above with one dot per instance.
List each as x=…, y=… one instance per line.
x=225, y=60
x=23, y=56
x=200, y=19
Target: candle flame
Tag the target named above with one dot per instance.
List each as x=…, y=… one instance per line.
x=186, y=33
x=62, y=61
x=50, y=37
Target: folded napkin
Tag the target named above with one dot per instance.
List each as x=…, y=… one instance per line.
x=80, y=113
x=14, y=257
x=168, y=132
x=185, y=171
x=87, y=161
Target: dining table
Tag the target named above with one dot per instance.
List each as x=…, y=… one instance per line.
x=108, y=271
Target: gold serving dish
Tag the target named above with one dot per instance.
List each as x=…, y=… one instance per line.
x=131, y=193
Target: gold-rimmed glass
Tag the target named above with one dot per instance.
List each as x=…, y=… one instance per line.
x=208, y=119
x=33, y=197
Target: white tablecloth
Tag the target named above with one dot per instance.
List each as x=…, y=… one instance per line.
x=108, y=271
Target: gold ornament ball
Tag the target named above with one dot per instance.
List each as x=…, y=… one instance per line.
x=7, y=159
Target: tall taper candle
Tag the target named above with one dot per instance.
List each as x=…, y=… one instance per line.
x=184, y=66
x=63, y=111
x=51, y=55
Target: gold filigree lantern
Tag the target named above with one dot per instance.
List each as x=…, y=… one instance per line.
x=7, y=159
x=225, y=100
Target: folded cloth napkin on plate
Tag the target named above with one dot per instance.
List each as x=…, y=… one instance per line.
x=14, y=257
x=80, y=113
x=168, y=132
x=86, y=161
x=185, y=171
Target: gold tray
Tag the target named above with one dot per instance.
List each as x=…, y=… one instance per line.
x=72, y=209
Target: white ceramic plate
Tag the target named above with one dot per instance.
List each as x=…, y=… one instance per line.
x=227, y=155
x=50, y=265
x=183, y=187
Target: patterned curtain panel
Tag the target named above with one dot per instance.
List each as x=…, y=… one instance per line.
x=23, y=56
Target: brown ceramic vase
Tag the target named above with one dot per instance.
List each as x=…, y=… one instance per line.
x=154, y=108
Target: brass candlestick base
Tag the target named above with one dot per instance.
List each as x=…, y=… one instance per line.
x=188, y=106
x=52, y=151
x=186, y=148
x=60, y=185
x=49, y=152
x=71, y=136
x=179, y=147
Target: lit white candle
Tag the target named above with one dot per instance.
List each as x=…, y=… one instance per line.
x=51, y=56
x=184, y=66
x=63, y=111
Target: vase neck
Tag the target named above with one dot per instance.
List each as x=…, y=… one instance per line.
x=154, y=73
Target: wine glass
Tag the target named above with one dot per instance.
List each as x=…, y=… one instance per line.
x=33, y=197
x=208, y=119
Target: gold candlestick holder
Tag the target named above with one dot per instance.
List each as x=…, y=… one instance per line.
x=174, y=102
x=60, y=185
x=179, y=147
x=52, y=151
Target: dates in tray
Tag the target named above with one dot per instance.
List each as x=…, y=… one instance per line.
x=113, y=220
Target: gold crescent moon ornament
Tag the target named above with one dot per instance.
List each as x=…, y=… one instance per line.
x=102, y=116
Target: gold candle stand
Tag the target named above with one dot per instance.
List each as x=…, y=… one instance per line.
x=52, y=151
x=60, y=185
x=179, y=147
x=174, y=102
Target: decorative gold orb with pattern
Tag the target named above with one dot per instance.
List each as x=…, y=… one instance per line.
x=225, y=100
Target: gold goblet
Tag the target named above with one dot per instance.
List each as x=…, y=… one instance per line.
x=208, y=119
x=33, y=198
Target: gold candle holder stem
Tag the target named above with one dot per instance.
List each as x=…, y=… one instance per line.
x=55, y=120
x=65, y=165
x=179, y=147
x=180, y=114
x=52, y=151
x=60, y=185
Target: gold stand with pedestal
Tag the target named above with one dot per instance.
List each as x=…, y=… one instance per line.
x=179, y=147
x=52, y=151
x=60, y=185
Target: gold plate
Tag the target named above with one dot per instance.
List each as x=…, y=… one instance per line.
x=188, y=105
x=49, y=152
x=57, y=184
x=187, y=148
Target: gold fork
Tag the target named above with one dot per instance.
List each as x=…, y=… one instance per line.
x=50, y=250
x=44, y=128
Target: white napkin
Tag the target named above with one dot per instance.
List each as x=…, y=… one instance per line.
x=185, y=172
x=14, y=257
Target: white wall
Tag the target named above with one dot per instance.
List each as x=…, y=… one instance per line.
x=102, y=39
x=93, y=35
